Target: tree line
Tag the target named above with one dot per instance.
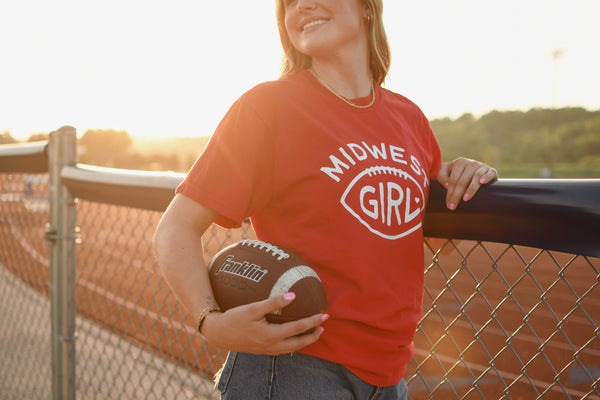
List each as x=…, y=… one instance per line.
x=564, y=142
x=117, y=149
x=561, y=142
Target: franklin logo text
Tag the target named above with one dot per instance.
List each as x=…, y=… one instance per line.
x=244, y=269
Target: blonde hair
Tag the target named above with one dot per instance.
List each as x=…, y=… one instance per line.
x=293, y=61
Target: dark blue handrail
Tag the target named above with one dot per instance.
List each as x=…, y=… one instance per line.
x=553, y=214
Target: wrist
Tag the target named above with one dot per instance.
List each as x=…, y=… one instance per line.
x=202, y=318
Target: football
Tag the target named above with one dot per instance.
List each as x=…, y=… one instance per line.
x=251, y=270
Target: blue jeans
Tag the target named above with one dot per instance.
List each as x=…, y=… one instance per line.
x=296, y=376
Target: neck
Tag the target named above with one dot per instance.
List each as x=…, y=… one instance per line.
x=345, y=99
x=351, y=79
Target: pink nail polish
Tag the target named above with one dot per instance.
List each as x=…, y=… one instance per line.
x=451, y=206
x=289, y=296
x=446, y=185
x=466, y=197
x=325, y=317
x=482, y=181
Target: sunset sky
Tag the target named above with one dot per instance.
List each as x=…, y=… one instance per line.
x=173, y=68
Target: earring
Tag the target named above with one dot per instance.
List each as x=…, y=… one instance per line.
x=368, y=18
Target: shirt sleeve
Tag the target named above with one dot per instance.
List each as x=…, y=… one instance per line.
x=436, y=155
x=234, y=172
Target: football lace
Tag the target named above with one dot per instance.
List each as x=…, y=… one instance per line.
x=386, y=171
x=268, y=247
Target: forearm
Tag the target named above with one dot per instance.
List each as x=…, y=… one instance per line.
x=177, y=244
x=184, y=269
x=242, y=328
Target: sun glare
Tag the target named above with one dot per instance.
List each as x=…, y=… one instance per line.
x=173, y=69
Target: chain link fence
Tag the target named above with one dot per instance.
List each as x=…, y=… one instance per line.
x=499, y=320
x=25, y=366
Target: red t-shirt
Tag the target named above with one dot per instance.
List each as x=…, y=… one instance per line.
x=346, y=189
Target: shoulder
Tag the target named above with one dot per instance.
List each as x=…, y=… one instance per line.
x=263, y=104
x=277, y=90
x=397, y=103
x=400, y=100
x=271, y=99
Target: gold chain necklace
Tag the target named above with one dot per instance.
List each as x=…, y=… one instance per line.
x=342, y=97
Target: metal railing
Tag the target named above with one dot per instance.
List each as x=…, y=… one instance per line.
x=511, y=303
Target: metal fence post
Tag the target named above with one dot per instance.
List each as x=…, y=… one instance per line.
x=60, y=234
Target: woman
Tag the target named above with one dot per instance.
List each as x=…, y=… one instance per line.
x=331, y=165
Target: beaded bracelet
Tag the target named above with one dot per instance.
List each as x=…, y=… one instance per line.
x=203, y=315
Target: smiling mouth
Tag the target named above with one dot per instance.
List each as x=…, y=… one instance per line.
x=313, y=23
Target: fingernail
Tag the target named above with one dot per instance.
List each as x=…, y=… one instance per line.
x=325, y=317
x=446, y=185
x=482, y=181
x=466, y=197
x=289, y=296
x=451, y=206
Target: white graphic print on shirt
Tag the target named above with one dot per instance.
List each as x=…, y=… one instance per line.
x=387, y=191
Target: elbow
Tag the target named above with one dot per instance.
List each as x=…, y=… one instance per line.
x=160, y=247
x=156, y=240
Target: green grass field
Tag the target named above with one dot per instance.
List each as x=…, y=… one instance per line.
x=562, y=171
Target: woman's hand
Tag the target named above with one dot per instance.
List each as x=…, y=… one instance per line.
x=462, y=178
x=245, y=328
x=177, y=244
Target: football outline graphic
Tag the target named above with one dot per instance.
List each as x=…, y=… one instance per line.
x=379, y=222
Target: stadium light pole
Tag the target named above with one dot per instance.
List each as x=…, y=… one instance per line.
x=557, y=54
x=548, y=172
